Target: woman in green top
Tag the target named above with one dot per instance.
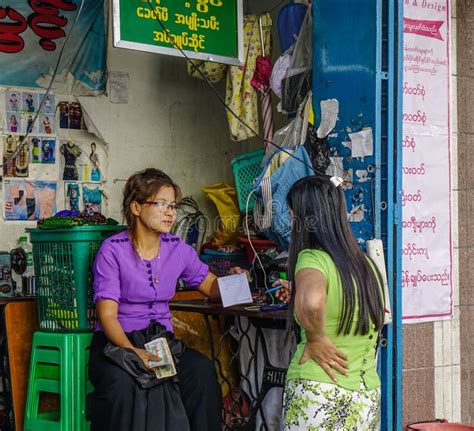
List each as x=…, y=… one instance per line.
x=332, y=382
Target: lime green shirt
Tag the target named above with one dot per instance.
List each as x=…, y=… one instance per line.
x=360, y=349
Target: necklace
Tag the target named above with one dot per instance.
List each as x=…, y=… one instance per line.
x=148, y=267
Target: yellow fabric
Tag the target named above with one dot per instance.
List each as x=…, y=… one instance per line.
x=225, y=199
x=241, y=97
x=311, y=115
x=214, y=72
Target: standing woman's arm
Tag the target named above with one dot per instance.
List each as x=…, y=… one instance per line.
x=310, y=309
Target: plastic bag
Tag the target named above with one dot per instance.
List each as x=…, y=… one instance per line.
x=318, y=150
x=280, y=69
x=225, y=199
x=297, y=81
x=294, y=133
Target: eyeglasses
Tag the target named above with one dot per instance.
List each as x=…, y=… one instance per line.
x=162, y=206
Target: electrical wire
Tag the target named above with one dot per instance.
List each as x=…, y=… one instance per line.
x=256, y=256
x=48, y=89
x=222, y=101
x=190, y=218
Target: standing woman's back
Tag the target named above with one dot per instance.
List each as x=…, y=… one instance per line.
x=332, y=382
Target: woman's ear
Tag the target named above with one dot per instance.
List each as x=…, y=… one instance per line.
x=135, y=208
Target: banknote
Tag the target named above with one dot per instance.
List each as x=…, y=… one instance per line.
x=159, y=348
x=165, y=371
x=165, y=366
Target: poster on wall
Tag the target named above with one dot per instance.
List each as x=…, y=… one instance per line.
x=42, y=150
x=15, y=156
x=426, y=191
x=80, y=161
x=21, y=108
x=29, y=199
x=43, y=158
x=32, y=35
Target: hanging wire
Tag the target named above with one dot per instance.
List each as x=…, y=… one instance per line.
x=222, y=101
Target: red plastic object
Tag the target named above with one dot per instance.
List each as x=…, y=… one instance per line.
x=260, y=245
x=439, y=425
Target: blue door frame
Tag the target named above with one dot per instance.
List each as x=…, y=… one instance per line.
x=357, y=59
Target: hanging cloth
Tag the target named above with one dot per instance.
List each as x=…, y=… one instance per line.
x=241, y=97
x=290, y=20
x=214, y=72
x=261, y=81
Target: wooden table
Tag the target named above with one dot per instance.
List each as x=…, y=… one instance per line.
x=18, y=322
x=273, y=377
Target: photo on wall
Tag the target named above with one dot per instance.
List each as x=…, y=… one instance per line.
x=80, y=161
x=73, y=196
x=92, y=199
x=42, y=150
x=29, y=199
x=15, y=156
x=14, y=122
x=49, y=103
x=70, y=115
x=28, y=125
x=46, y=124
x=12, y=101
x=21, y=108
x=30, y=102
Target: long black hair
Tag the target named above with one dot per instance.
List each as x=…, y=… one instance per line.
x=320, y=222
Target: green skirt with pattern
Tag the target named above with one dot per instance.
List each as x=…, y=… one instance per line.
x=310, y=405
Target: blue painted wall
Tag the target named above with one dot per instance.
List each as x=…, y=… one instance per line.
x=356, y=46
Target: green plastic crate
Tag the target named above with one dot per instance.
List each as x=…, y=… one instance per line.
x=63, y=261
x=246, y=169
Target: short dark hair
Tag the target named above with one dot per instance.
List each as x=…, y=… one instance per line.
x=141, y=186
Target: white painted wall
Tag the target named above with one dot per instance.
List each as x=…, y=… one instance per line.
x=172, y=122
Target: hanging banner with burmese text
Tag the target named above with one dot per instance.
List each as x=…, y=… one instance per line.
x=32, y=34
x=204, y=29
x=426, y=192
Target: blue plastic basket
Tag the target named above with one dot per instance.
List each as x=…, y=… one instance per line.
x=246, y=169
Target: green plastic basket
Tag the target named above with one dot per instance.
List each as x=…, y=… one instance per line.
x=246, y=169
x=63, y=260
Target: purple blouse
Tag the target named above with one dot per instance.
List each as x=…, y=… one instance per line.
x=120, y=275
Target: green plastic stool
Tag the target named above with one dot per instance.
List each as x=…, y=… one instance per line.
x=59, y=365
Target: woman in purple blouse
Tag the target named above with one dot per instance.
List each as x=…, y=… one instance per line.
x=135, y=276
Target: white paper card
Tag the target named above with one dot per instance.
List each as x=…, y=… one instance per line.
x=362, y=143
x=335, y=168
x=118, y=82
x=329, y=113
x=234, y=290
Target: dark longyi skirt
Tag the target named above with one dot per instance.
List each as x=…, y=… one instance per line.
x=118, y=403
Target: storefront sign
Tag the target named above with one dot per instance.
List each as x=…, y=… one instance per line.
x=204, y=29
x=32, y=33
x=426, y=193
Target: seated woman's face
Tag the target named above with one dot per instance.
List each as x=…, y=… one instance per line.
x=160, y=217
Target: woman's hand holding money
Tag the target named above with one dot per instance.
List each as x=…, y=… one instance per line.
x=146, y=357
